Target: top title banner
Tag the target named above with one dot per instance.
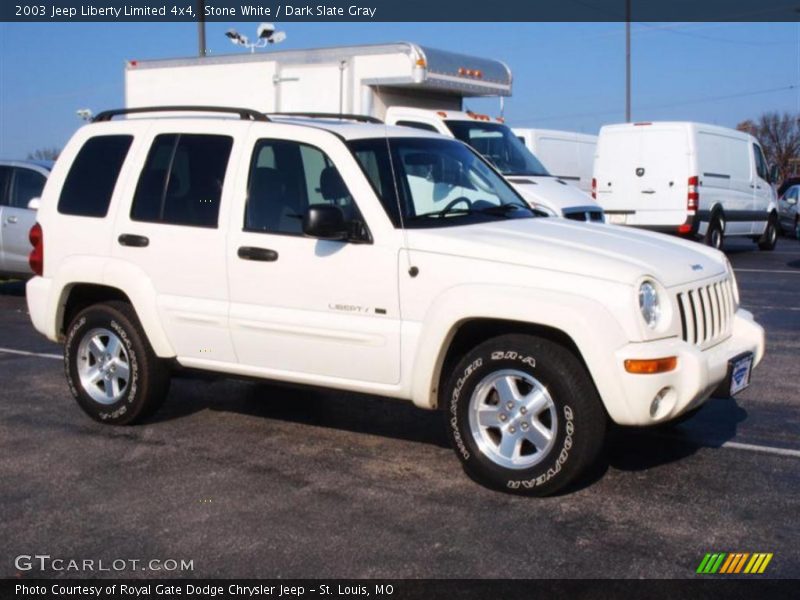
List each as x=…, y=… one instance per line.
x=399, y=10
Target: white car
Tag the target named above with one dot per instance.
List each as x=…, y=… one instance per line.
x=375, y=259
x=496, y=142
x=695, y=180
x=21, y=184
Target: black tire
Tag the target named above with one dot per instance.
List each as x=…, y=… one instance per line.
x=715, y=235
x=580, y=419
x=148, y=377
x=769, y=238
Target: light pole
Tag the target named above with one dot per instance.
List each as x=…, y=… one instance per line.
x=628, y=61
x=201, y=28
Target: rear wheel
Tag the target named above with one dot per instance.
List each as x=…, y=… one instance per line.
x=523, y=415
x=769, y=238
x=111, y=369
x=716, y=232
x=797, y=229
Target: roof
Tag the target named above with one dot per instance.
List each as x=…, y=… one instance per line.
x=352, y=130
x=687, y=125
x=38, y=165
x=345, y=129
x=443, y=68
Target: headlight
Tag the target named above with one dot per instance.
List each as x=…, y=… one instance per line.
x=649, y=304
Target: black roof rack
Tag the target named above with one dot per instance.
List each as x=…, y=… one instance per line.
x=246, y=114
x=324, y=115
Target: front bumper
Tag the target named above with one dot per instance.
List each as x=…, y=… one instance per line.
x=691, y=383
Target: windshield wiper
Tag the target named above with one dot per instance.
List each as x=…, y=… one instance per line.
x=437, y=214
x=503, y=209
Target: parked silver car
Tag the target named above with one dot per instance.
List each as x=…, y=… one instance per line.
x=20, y=182
x=787, y=212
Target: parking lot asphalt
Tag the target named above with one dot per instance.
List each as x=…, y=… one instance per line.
x=260, y=480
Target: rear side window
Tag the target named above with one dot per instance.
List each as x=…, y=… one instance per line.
x=28, y=184
x=91, y=179
x=5, y=178
x=182, y=179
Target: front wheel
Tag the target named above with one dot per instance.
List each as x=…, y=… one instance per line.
x=523, y=415
x=769, y=238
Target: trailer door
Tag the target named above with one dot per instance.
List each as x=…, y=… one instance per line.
x=312, y=88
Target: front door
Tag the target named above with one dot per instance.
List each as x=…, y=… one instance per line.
x=304, y=308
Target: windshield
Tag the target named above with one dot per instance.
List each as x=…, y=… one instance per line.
x=498, y=143
x=440, y=183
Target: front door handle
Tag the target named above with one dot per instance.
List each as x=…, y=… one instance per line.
x=135, y=241
x=648, y=191
x=11, y=220
x=253, y=253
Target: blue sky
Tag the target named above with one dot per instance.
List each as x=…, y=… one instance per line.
x=567, y=75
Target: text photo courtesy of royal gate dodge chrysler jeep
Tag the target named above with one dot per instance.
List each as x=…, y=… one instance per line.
x=285, y=297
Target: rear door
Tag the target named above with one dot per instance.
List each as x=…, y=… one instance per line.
x=18, y=219
x=174, y=231
x=642, y=175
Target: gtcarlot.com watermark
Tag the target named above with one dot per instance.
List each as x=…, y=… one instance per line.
x=45, y=562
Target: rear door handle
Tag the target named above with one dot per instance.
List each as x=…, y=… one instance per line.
x=135, y=241
x=253, y=253
x=648, y=191
x=11, y=220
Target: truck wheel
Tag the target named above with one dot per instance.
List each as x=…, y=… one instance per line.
x=716, y=232
x=770, y=236
x=523, y=415
x=797, y=229
x=111, y=369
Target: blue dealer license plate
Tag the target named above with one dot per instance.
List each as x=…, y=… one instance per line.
x=740, y=373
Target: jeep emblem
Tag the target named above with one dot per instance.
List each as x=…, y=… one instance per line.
x=697, y=267
x=639, y=171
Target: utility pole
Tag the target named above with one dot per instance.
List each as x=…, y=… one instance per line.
x=628, y=61
x=201, y=28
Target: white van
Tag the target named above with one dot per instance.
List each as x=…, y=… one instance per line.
x=542, y=189
x=566, y=154
x=696, y=180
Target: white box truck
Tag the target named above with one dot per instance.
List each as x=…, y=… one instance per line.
x=392, y=82
x=700, y=181
x=568, y=155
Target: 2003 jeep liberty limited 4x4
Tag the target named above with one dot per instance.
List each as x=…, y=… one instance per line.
x=377, y=259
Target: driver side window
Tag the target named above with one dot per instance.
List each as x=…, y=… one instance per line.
x=285, y=179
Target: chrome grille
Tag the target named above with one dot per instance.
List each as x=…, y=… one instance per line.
x=706, y=313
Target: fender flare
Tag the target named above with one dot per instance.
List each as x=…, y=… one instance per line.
x=588, y=323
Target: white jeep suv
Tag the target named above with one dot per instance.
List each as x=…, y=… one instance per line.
x=375, y=259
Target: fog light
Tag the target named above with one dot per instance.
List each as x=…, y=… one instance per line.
x=663, y=402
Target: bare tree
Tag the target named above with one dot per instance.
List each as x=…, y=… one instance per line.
x=779, y=135
x=44, y=154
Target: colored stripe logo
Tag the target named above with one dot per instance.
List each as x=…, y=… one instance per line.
x=734, y=563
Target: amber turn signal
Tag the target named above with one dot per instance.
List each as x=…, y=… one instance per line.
x=651, y=366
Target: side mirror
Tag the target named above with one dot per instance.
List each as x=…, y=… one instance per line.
x=34, y=203
x=325, y=222
x=774, y=174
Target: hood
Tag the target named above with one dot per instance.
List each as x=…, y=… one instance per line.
x=552, y=192
x=609, y=252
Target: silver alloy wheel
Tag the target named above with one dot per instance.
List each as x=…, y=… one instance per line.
x=513, y=419
x=716, y=239
x=773, y=232
x=103, y=366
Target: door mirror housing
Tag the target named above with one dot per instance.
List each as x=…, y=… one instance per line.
x=774, y=174
x=325, y=222
x=34, y=203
